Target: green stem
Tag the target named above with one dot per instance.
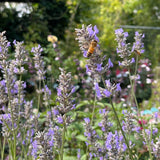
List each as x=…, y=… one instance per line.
x=14, y=147
x=94, y=106
x=59, y=156
x=92, y=116
x=39, y=96
x=136, y=65
x=63, y=137
x=47, y=99
x=2, y=149
x=132, y=91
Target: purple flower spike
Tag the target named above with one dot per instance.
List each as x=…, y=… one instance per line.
x=73, y=90
x=124, y=147
x=90, y=155
x=97, y=90
x=19, y=134
x=55, y=112
x=33, y=49
x=103, y=111
x=60, y=120
x=8, y=44
x=96, y=29
x=23, y=142
x=59, y=92
x=119, y=31
x=125, y=34
x=118, y=51
x=107, y=93
x=14, y=42
x=90, y=31
x=35, y=149
x=74, y=106
x=87, y=69
x=123, y=44
x=108, y=83
x=99, y=67
x=110, y=64
x=118, y=87
x=0, y=49
x=97, y=39
x=132, y=60
x=85, y=54
x=156, y=115
x=50, y=132
x=143, y=35
x=79, y=154
x=100, y=124
x=119, y=63
x=47, y=90
x=142, y=50
x=86, y=143
x=136, y=33
x=87, y=120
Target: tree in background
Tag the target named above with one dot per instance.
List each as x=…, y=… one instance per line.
x=10, y=22
x=46, y=17
x=114, y=13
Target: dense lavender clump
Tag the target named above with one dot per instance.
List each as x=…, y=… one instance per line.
x=95, y=62
x=128, y=122
x=124, y=50
x=32, y=133
x=65, y=98
x=138, y=45
x=90, y=133
x=156, y=148
x=43, y=143
x=38, y=62
x=94, y=66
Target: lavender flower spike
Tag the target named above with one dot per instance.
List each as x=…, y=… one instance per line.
x=98, y=90
x=123, y=48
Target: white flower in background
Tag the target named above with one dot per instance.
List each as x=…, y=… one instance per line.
x=148, y=81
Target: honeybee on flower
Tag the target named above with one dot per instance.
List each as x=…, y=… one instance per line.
x=92, y=47
x=137, y=52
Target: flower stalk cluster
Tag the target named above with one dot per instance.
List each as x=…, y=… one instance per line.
x=36, y=135
x=94, y=66
x=66, y=104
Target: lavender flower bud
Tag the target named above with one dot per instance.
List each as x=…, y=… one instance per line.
x=123, y=48
x=38, y=62
x=43, y=144
x=110, y=89
x=138, y=45
x=65, y=91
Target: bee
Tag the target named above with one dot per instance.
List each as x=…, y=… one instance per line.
x=92, y=47
x=138, y=52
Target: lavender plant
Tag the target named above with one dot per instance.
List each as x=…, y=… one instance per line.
x=107, y=135
x=85, y=36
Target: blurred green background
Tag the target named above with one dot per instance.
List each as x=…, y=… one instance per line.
x=32, y=21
